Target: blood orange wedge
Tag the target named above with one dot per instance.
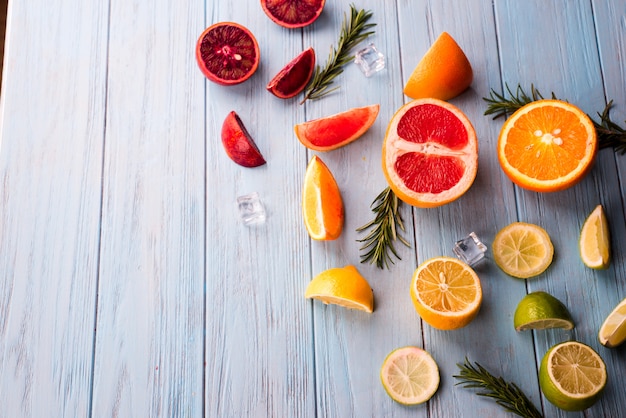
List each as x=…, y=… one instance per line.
x=238, y=143
x=227, y=53
x=443, y=72
x=293, y=78
x=293, y=13
x=430, y=153
x=547, y=145
x=337, y=130
x=322, y=206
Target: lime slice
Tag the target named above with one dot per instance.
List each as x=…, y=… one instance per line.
x=410, y=375
x=613, y=330
x=595, y=240
x=541, y=310
x=572, y=376
x=522, y=250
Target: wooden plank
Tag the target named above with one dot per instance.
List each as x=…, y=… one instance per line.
x=52, y=119
x=150, y=318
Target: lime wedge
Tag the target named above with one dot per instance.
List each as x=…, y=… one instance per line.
x=572, y=376
x=613, y=330
x=410, y=375
x=541, y=310
x=595, y=240
x=522, y=250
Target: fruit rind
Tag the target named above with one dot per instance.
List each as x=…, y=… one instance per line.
x=524, y=227
x=595, y=230
x=426, y=360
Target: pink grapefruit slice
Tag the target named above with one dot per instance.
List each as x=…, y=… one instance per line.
x=293, y=13
x=430, y=153
x=294, y=77
x=331, y=132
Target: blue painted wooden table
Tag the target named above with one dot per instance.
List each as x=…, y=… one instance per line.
x=129, y=287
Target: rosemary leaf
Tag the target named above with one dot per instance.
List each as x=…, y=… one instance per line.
x=352, y=32
x=508, y=395
x=379, y=243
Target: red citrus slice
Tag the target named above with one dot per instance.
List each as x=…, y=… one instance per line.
x=293, y=13
x=337, y=130
x=293, y=78
x=238, y=143
x=227, y=53
x=430, y=153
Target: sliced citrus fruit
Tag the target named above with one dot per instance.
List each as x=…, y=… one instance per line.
x=613, y=330
x=293, y=13
x=595, y=246
x=322, y=206
x=572, y=376
x=443, y=72
x=238, y=143
x=410, y=375
x=293, y=78
x=522, y=250
x=541, y=310
x=547, y=145
x=430, y=153
x=342, y=286
x=446, y=293
x=331, y=132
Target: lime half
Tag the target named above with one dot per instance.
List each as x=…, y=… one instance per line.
x=410, y=375
x=613, y=330
x=522, y=250
x=595, y=240
x=572, y=376
x=541, y=310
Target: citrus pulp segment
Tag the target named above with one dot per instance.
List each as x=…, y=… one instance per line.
x=547, y=145
x=541, y=310
x=227, y=53
x=443, y=72
x=344, y=287
x=410, y=375
x=446, y=293
x=595, y=246
x=293, y=78
x=430, y=153
x=293, y=13
x=572, y=376
x=238, y=143
x=522, y=250
x=613, y=330
x=331, y=132
x=322, y=206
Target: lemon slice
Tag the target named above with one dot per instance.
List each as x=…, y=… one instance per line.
x=613, y=330
x=595, y=240
x=344, y=287
x=410, y=375
x=522, y=250
x=572, y=376
x=541, y=310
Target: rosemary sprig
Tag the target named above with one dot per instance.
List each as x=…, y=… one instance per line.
x=508, y=395
x=352, y=32
x=610, y=134
x=379, y=242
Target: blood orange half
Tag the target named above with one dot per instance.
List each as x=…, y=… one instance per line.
x=430, y=153
x=227, y=53
x=293, y=13
x=331, y=132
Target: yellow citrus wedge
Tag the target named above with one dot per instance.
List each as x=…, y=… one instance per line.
x=443, y=72
x=322, y=206
x=595, y=247
x=410, y=375
x=344, y=287
x=522, y=250
x=446, y=293
x=613, y=330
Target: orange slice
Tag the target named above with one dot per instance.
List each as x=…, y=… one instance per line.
x=322, y=206
x=446, y=293
x=547, y=146
x=337, y=130
x=430, y=153
x=443, y=73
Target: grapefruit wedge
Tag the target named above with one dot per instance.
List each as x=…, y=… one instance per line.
x=430, y=153
x=331, y=132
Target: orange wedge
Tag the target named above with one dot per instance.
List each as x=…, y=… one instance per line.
x=322, y=206
x=443, y=72
x=547, y=146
